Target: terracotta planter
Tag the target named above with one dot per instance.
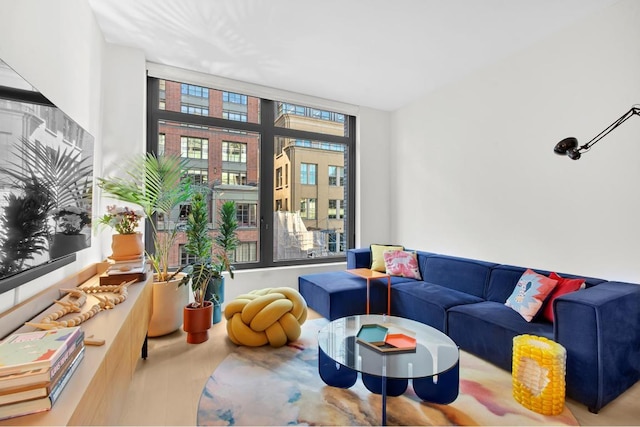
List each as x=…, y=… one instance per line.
x=168, y=301
x=197, y=322
x=126, y=246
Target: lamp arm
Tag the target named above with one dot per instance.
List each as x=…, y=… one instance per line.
x=635, y=110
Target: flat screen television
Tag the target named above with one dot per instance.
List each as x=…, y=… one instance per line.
x=46, y=183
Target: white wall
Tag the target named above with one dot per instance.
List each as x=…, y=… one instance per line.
x=57, y=46
x=475, y=171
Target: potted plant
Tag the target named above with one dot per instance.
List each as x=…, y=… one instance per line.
x=127, y=244
x=199, y=313
x=225, y=242
x=156, y=184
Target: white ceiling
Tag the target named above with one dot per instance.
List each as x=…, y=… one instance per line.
x=376, y=53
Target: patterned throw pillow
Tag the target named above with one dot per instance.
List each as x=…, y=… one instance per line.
x=564, y=286
x=377, y=260
x=402, y=263
x=529, y=294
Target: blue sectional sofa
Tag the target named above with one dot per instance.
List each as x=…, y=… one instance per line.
x=599, y=326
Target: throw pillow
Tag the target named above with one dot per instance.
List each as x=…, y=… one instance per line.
x=402, y=263
x=377, y=259
x=529, y=294
x=564, y=286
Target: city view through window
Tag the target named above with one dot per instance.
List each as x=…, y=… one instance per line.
x=285, y=166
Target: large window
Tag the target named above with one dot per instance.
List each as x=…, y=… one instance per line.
x=288, y=167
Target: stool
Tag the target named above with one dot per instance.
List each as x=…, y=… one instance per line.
x=266, y=316
x=538, y=374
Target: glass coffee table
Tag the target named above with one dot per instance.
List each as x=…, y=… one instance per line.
x=434, y=354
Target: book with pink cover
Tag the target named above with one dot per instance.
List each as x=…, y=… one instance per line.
x=27, y=351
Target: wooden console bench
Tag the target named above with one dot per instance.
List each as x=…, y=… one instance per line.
x=95, y=393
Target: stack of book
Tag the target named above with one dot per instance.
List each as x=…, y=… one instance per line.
x=124, y=271
x=35, y=367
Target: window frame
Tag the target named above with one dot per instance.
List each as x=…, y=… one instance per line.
x=268, y=132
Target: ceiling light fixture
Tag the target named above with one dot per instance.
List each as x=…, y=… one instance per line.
x=569, y=146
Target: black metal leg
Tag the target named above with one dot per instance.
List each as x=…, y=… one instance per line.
x=145, y=347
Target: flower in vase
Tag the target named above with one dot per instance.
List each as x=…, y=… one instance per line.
x=71, y=219
x=123, y=219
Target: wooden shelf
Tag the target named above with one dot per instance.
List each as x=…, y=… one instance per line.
x=95, y=393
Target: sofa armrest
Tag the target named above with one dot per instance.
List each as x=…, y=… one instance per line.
x=358, y=258
x=600, y=329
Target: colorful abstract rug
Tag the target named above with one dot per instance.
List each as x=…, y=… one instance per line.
x=267, y=386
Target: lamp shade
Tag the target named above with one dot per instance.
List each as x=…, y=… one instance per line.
x=565, y=146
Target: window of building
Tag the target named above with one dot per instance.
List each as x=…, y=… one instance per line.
x=336, y=176
x=234, y=178
x=234, y=152
x=234, y=98
x=247, y=214
x=308, y=173
x=198, y=176
x=308, y=208
x=303, y=153
x=336, y=210
x=233, y=115
x=185, y=258
x=246, y=252
x=185, y=210
x=196, y=91
x=194, y=148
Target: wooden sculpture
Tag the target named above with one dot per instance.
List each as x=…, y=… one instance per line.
x=76, y=298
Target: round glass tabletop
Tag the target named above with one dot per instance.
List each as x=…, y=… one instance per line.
x=344, y=341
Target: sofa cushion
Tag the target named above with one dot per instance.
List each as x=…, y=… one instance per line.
x=377, y=258
x=529, y=294
x=339, y=293
x=462, y=274
x=487, y=329
x=427, y=302
x=564, y=286
x=402, y=263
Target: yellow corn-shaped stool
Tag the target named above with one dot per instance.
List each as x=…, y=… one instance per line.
x=538, y=374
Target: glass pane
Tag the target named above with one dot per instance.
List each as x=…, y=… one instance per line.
x=226, y=162
x=202, y=101
x=310, y=199
x=309, y=119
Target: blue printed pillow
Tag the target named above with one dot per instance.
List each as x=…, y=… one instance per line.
x=529, y=294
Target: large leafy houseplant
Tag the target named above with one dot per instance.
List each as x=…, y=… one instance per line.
x=156, y=184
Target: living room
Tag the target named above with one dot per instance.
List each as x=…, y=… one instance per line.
x=466, y=169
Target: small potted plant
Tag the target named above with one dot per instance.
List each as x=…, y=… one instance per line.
x=199, y=313
x=127, y=244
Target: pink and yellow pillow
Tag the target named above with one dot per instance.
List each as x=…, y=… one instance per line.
x=530, y=293
x=377, y=258
x=402, y=263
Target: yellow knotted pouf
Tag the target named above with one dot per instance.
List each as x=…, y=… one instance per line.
x=538, y=374
x=266, y=316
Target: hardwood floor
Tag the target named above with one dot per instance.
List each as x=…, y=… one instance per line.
x=166, y=387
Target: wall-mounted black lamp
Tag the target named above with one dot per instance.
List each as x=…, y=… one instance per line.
x=569, y=146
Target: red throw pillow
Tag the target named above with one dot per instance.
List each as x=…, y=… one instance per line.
x=564, y=286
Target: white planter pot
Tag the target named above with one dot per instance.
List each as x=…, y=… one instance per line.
x=168, y=301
